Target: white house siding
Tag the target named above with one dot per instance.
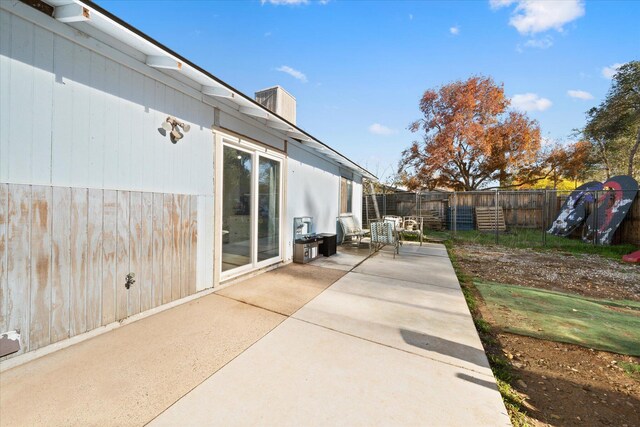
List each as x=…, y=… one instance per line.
x=73, y=117
x=313, y=189
x=84, y=119
x=80, y=151
x=79, y=119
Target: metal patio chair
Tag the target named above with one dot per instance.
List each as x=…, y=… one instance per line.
x=384, y=233
x=396, y=220
x=351, y=228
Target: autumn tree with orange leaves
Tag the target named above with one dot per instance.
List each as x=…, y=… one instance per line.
x=470, y=139
x=572, y=162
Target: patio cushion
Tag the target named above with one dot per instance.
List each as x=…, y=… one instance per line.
x=349, y=225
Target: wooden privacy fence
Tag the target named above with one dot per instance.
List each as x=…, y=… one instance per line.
x=629, y=231
x=522, y=209
x=65, y=254
x=533, y=209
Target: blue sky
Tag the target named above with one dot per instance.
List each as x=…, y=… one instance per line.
x=358, y=68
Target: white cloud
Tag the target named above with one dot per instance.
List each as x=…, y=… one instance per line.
x=454, y=30
x=530, y=102
x=611, y=70
x=267, y=34
x=293, y=73
x=579, y=94
x=542, y=43
x=497, y=4
x=411, y=17
x=378, y=129
x=535, y=16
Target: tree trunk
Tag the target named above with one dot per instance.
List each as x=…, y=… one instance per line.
x=633, y=152
x=502, y=178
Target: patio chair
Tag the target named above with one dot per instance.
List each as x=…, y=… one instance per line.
x=413, y=226
x=398, y=224
x=396, y=220
x=384, y=233
x=351, y=228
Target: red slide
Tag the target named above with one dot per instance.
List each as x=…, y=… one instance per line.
x=632, y=257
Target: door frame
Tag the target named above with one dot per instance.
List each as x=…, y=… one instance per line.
x=256, y=150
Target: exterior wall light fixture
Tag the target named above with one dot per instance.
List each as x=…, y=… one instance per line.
x=175, y=128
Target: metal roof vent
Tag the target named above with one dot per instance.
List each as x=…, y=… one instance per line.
x=279, y=101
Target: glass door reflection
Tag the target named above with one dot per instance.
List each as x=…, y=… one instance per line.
x=268, y=208
x=237, y=203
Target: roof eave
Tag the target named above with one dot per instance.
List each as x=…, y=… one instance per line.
x=237, y=96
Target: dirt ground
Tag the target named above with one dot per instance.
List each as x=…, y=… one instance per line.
x=587, y=275
x=562, y=384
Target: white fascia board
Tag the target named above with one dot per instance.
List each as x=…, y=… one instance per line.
x=71, y=12
x=314, y=144
x=279, y=125
x=177, y=81
x=255, y=112
x=246, y=106
x=165, y=62
x=299, y=135
x=125, y=35
x=242, y=101
x=341, y=160
x=218, y=91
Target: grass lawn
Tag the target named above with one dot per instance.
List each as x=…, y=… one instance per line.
x=526, y=238
x=600, y=324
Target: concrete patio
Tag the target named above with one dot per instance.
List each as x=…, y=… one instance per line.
x=346, y=340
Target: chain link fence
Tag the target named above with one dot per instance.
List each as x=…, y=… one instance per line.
x=512, y=218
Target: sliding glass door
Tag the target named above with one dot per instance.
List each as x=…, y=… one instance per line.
x=236, y=208
x=251, y=206
x=268, y=209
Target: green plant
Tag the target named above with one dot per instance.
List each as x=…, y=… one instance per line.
x=513, y=402
x=482, y=326
x=500, y=367
x=631, y=369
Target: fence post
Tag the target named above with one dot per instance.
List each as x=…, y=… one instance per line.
x=455, y=213
x=595, y=216
x=495, y=223
x=384, y=205
x=544, y=218
x=366, y=207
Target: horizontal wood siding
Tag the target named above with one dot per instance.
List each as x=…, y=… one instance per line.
x=65, y=253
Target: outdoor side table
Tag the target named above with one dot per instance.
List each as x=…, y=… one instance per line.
x=328, y=245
